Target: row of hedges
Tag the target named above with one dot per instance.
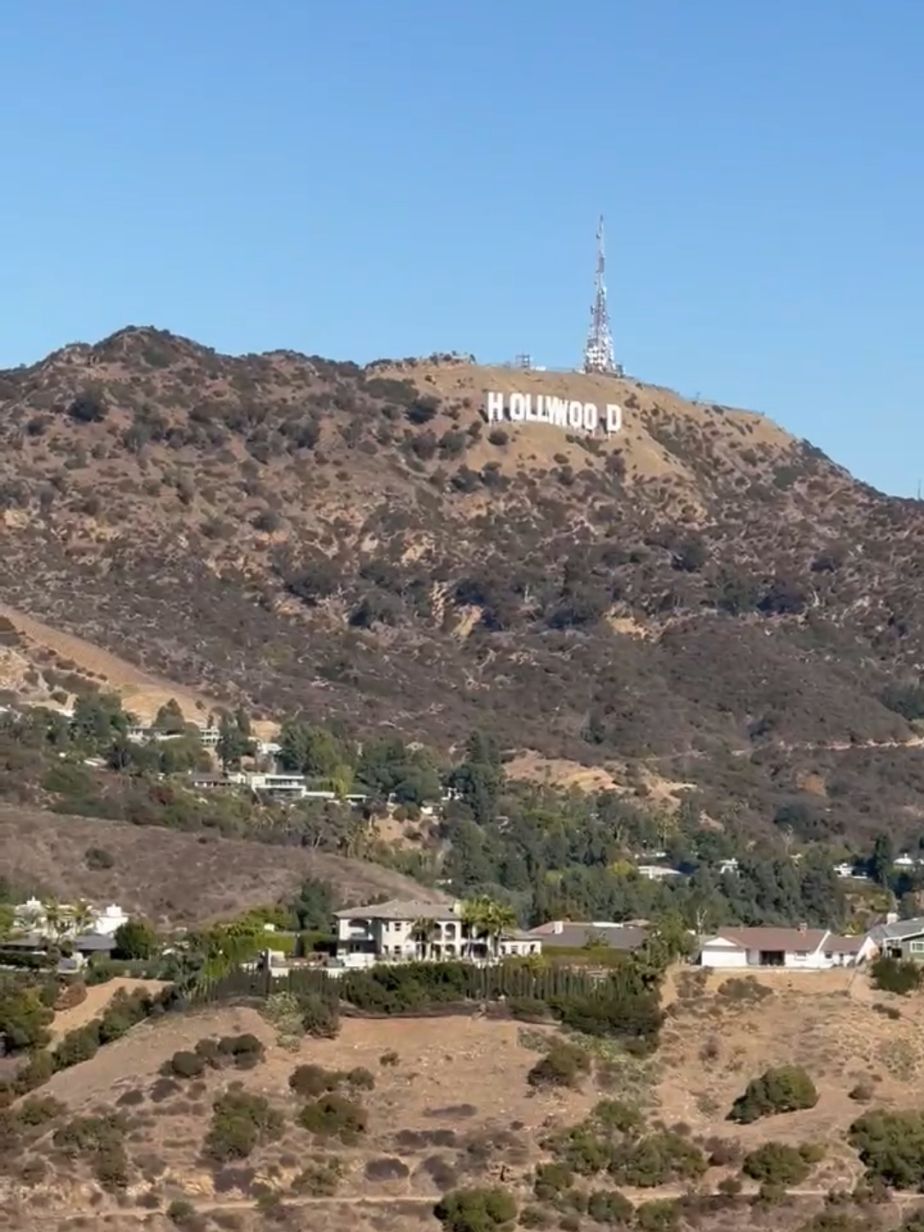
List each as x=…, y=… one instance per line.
x=624, y=1003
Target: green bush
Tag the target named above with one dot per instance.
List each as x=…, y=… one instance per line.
x=320, y=1018
x=240, y=1122
x=562, y=1066
x=891, y=1145
x=184, y=1065
x=895, y=975
x=39, y=1111
x=551, y=1180
x=181, y=1212
x=332, y=1116
x=656, y=1160
x=609, y=1206
x=77, y=1046
x=310, y=1081
x=475, y=1210
x=785, y=1089
x=777, y=1164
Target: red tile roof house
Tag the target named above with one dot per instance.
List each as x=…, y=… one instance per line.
x=795, y=949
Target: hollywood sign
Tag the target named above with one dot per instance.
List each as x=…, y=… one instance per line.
x=559, y=412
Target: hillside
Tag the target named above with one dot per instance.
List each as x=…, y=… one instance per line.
x=699, y=599
x=176, y=878
x=446, y=1101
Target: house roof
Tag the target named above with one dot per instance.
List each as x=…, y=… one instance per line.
x=96, y=942
x=576, y=935
x=400, y=909
x=844, y=945
x=787, y=940
x=900, y=930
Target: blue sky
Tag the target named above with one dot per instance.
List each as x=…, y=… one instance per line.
x=366, y=178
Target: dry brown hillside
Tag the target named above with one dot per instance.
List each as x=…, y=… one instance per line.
x=176, y=878
x=701, y=592
x=447, y=1103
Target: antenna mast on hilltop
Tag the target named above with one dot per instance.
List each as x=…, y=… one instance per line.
x=598, y=350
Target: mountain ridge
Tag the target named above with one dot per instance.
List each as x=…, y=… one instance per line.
x=360, y=543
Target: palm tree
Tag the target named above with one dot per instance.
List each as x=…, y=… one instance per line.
x=422, y=933
x=82, y=917
x=501, y=919
x=56, y=919
x=474, y=917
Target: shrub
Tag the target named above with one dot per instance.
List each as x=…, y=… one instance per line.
x=244, y=1051
x=562, y=1066
x=185, y=1065
x=332, y=1116
x=656, y=1160
x=786, y=1089
x=310, y=1081
x=240, y=1122
x=389, y=1058
x=111, y=1167
x=320, y=1018
x=610, y=1206
x=360, y=1078
x=98, y=858
x=891, y=1145
x=778, y=1164
x=551, y=1180
x=181, y=1212
x=77, y=1046
x=894, y=975
x=39, y=1111
x=475, y=1210
x=862, y=1093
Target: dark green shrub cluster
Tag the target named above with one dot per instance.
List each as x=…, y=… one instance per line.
x=333, y=1116
x=612, y=1140
x=564, y=1065
x=320, y=1017
x=656, y=1159
x=240, y=1122
x=475, y=1210
x=99, y=1140
x=895, y=975
x=237, y=1051
x=784, y=1089
x=779, y=1164
x=891, y=1145
x=310, y=1081
x=625, y=1005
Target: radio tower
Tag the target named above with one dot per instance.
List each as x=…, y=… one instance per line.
x=598, y=350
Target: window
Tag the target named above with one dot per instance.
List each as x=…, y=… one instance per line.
x=917, y=947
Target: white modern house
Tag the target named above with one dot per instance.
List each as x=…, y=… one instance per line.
x=405, y=931
x=66, y=920
x=795, y=949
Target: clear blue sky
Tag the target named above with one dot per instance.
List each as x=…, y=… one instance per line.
x=366, y=178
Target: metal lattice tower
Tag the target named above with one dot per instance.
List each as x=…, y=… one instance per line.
x=598, y=350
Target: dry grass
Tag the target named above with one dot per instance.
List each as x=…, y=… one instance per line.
x=142, y=693
x=457, y=1109
x=174, y=877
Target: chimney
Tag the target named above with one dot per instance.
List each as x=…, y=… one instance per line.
x=558, y=927
x=892, y=917
x=803, y=928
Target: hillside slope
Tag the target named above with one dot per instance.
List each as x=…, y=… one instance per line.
x=701, y=592
x=177, y=878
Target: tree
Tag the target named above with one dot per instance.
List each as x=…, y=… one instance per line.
x=784, y=1089
x=24, y=1018
x=314, y=907
x=169, y=719
x=423, y=931
x=232, y=743
x=135, y=939
x=882, y=860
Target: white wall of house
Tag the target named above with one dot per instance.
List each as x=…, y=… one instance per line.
x=723, y=956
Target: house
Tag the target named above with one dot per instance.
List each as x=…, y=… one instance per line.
x=402, y=931
x=570, y=935
x=657, y=872
x=802, y=948
x=901, y=939
x=37, y=917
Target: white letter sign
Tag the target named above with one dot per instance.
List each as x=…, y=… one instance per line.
x=573, y=416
